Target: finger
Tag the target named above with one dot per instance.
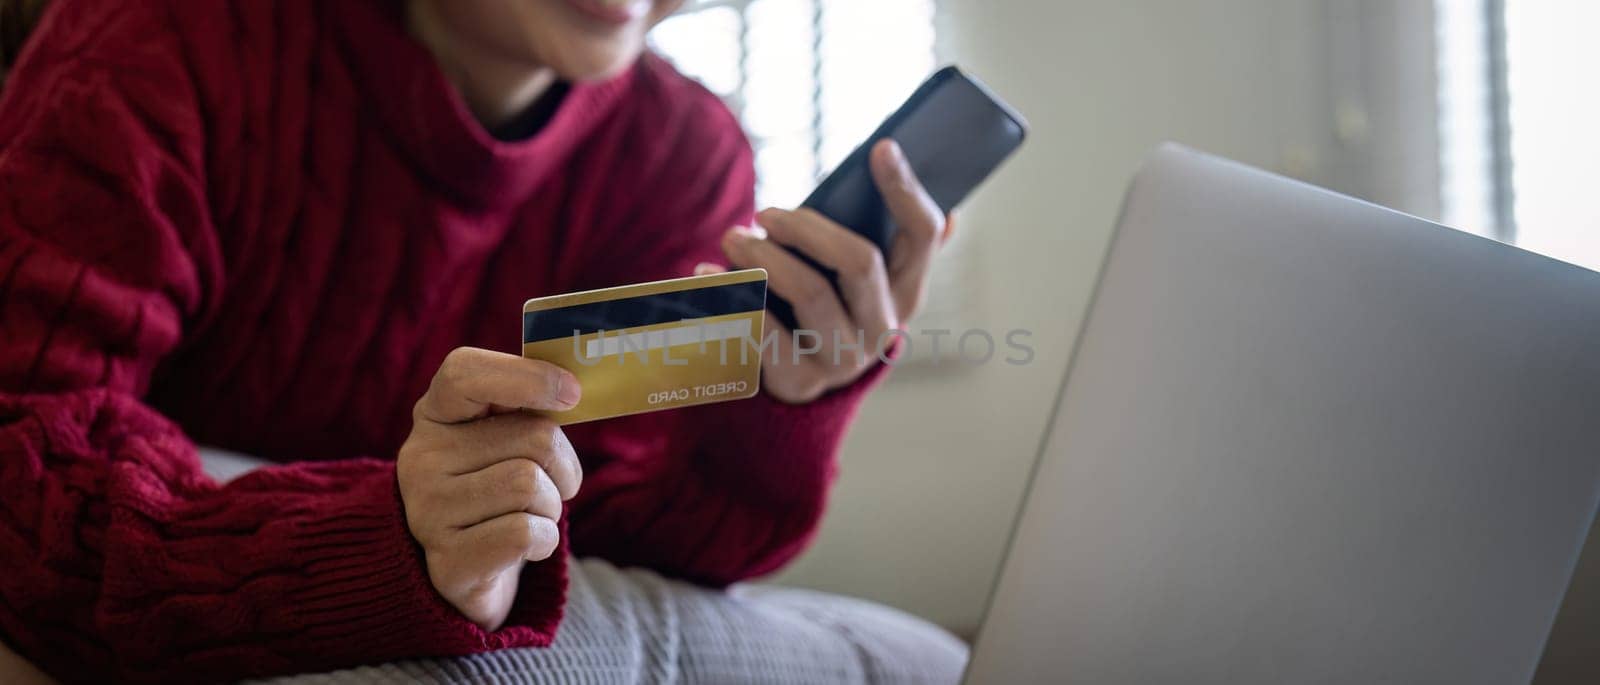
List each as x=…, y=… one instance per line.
x=507, y=540
x=918, y=217
x=790, y=382
x=472, y=383
x=511, y=485
x=816, y=305
x=862, y=277
x=489, y=441
x=913, y=209
x=707, y=268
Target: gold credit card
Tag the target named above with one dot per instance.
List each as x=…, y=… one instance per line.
x=651, y=346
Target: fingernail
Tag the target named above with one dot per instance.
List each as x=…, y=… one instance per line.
x=896, y=155
x=704, y=268
x=569, y=391
x=740, y=234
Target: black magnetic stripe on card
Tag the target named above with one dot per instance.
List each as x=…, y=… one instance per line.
x=643, y=310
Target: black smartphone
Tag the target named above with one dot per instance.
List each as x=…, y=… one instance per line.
x=953, y=131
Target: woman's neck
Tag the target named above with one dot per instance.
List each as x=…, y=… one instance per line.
x=495, y=88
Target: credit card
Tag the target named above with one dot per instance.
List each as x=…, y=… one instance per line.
x=652, y=346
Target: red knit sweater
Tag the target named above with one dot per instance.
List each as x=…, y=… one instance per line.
x=261, y=225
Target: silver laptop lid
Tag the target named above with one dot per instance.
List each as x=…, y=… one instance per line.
x=1304, y=439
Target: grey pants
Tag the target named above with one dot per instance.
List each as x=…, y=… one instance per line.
x=633, y=626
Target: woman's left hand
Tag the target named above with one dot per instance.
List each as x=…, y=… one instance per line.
x=874, y=296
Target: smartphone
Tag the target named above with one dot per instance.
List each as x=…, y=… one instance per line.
x=954, y=133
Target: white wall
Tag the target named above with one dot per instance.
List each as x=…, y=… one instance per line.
x=934, y=469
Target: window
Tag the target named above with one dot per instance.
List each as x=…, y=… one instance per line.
x=809, y=79
x=1520, y=123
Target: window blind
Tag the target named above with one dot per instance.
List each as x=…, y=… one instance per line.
x=1519, y=128
x=809, y=79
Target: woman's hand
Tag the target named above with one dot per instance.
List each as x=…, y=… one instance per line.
x=482, y=480
x=877, y=296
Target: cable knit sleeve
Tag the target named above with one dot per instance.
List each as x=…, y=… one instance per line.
x=119, y=558
x=722, y=492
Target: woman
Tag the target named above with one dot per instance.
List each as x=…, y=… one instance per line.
x=301, y=230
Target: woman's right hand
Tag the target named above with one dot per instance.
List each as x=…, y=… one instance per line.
x=482, y=479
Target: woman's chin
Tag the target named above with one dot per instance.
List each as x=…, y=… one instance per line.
x=592, y=65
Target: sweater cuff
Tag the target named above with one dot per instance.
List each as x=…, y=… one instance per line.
x=368, y=598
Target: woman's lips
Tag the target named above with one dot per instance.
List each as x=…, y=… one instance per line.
x=612, y=11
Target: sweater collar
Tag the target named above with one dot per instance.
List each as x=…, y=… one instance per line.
x=430, y=122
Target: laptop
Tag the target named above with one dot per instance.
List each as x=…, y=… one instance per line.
x=1304, y=439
